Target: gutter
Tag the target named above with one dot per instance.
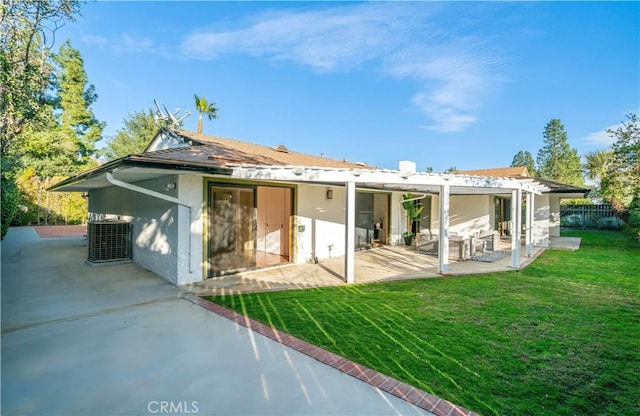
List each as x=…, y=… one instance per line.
x=142, y=162
x=141, y=190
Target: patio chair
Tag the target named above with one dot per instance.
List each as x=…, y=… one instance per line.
x=491, y=239
x=426, y=241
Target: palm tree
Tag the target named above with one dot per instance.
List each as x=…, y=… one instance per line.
x=204, y=107
x=597, y=163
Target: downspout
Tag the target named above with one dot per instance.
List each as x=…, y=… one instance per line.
x=141, y=190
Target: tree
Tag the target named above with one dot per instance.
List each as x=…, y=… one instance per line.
x=556, y=160
x=27, y=30
x=595, y=168
x=26, y=33
x=524, y=159
x=620, y=184
x=204, y=108
x=75, y=97
x=138, y=131
x=10, y=199
x=597, y=163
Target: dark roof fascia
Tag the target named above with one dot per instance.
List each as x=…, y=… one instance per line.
x=562, y=188
x=141, y=162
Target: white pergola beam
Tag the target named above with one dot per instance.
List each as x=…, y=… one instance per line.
x=350, y=232
x=516, y=214
x=443, y=243
x=529, y=225
x=389, y=178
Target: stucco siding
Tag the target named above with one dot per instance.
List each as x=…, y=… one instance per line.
x=154, y=224
x=541, y=220
x=468, y=214
x=320, y=223
x=191, y=260
x=554, y=215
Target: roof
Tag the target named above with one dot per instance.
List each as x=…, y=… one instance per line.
x=222, y=150
x=141, y=167
x=510, y=172
x=231, y=158
x=557, y=187
x=523, y=172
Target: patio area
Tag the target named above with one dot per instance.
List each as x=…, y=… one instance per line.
x=375, y=265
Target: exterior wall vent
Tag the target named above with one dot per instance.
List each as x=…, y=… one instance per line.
x=109, y=241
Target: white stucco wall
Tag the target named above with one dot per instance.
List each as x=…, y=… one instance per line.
x=541, y=220
x=154, y=224
x=468, y=214
x=191, y=232
x=554, y=215
x=323, y=221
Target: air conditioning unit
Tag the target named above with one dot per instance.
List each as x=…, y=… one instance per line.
x=109, y=241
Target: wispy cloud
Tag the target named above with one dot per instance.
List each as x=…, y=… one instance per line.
x=452, y=73
x=601, y=138
x=121, y=44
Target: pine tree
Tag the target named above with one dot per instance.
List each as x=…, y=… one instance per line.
x=556, y=160
x=138, y=131
x=524, y=159
x=75, y=97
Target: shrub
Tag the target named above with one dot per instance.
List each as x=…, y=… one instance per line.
x=10, y=198
x=633, y=227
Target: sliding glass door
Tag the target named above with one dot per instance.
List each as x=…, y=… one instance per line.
x=232, y=242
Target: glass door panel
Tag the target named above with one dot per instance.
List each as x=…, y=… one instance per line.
x=232, y=231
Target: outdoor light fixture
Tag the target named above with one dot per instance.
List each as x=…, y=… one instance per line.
x=170, y=186
x=329, y=193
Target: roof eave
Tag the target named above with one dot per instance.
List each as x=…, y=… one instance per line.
x=140, y=162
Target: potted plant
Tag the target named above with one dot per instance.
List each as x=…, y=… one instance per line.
x=413, y=214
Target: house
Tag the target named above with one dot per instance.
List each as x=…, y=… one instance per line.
x=202, y=206
x=547, y=205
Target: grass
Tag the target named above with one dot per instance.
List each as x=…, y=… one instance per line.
x=561, y=337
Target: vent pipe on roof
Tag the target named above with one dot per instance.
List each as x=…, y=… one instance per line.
x=282, y=148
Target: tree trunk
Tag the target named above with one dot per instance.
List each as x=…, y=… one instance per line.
x=200, y=124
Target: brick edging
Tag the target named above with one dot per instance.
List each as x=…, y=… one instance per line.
x=416, y=397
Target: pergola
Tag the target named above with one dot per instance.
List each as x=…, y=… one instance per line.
x=444, y=185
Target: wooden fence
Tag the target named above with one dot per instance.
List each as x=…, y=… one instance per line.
x=599, y=216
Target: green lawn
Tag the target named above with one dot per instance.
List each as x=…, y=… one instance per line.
x=561, y=337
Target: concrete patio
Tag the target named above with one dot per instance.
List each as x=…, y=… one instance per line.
x=384, y=263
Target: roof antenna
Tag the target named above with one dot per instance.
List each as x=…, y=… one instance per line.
x=167, y=120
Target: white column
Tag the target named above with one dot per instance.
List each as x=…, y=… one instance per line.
x=443, y=244
x=516, y=220
x=349, y=232
x=529, y=225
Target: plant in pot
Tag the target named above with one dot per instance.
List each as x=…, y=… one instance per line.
x=413, y=214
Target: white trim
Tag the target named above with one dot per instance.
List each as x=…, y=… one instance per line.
x=350, y=231
x=381, y=177
x=516, y=220
x=529, y=224
x=443, y=244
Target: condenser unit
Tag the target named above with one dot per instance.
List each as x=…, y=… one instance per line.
x=109, y=241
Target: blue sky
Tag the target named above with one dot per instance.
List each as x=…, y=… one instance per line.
x=464, y=84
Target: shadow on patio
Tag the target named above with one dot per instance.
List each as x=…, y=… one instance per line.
x=374, y=265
